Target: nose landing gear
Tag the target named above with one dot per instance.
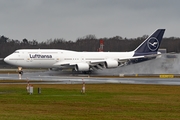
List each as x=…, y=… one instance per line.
x=20, y=72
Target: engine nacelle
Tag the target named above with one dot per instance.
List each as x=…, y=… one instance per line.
x=82, y=67
x=111, y=64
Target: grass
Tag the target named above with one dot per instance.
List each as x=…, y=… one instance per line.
x=101, y=101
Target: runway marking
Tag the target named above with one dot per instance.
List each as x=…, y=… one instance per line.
x=166, y=76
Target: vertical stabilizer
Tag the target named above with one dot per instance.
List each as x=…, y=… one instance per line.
x=151, y=44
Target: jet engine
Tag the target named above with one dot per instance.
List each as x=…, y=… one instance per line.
x=82, y=67
x=111, y=64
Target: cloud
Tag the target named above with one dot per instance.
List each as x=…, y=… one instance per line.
x=45, y=19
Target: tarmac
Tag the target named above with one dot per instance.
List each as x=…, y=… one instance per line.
x=52, y=77
x=164, y=71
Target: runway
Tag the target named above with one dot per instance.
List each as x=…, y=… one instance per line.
x=167, y=64
x=51, y=77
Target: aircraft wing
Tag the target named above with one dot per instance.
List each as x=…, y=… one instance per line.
x=93, y=64
x=100, y=64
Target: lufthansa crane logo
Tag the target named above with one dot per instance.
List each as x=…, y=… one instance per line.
x=153, y=44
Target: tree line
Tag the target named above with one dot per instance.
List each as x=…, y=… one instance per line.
x=87, y=43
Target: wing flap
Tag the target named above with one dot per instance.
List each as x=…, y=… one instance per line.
x=97, y=61
x=64, y=64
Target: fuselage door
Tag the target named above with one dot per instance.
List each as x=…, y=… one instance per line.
x=29, y=59
x=59, y=56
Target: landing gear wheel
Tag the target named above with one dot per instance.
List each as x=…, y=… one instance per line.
x=21, y=72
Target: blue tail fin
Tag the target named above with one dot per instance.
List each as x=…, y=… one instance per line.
x=151, y=44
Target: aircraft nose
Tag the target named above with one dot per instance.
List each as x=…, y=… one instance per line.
x=6, y=59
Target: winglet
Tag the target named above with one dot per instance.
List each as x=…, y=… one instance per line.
x=151, y=44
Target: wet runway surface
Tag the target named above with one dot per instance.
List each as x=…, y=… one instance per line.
x=167, y=64
x=51, y=77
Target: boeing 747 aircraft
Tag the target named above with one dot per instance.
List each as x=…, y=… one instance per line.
x=86, y=61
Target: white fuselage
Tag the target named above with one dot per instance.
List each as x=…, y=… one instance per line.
x=47, y=58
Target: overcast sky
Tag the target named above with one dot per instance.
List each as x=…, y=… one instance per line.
x=71, y=19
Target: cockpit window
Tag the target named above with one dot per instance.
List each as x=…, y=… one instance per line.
x=16, y=51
